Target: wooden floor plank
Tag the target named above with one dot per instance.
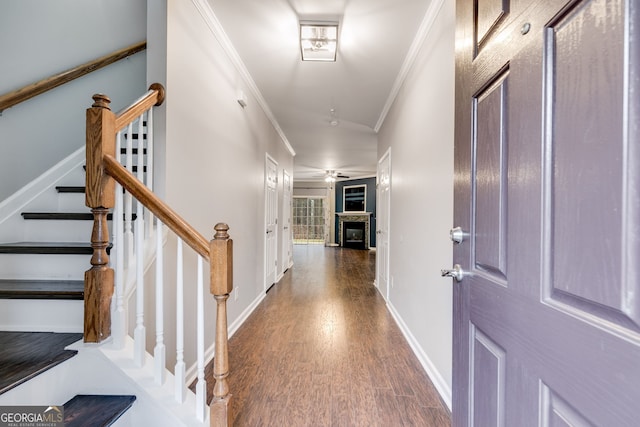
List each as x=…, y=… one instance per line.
x=323, y=350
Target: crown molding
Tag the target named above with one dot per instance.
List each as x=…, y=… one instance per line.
x=204, y=8
x=409, y=60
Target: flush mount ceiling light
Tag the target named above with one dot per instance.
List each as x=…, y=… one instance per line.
x=318, y=40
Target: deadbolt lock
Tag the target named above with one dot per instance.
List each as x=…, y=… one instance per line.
x=457, y=235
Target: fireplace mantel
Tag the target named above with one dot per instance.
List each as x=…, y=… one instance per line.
x=354, y=217
x=341, y=214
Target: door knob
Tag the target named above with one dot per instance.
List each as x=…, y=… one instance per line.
x=456, y=272
x=457, y=235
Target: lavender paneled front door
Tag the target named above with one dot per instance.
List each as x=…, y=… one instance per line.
x=547, y=193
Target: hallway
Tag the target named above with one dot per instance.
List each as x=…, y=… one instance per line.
x=323, y=350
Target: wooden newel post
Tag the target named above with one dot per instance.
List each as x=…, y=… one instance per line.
x=100, y=197
x=221, y=262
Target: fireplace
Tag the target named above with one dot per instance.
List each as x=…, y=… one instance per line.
x=353, y=235
x=353, y=231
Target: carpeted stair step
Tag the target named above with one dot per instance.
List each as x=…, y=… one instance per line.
x=48, y=248
x=95, y=410
x=23, y=355
x=41, y=289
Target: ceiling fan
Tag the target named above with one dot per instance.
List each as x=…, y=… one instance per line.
x=332, y=175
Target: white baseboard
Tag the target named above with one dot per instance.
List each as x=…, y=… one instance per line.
x=245, y=314
x=438, y=381
x=192, y=373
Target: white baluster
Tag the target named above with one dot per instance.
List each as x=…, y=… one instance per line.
x=159, y=350
x=139, y=332
x=201, y=386
x=149, y=162
x=128, y=200
x=119, y=317
x=180, y=369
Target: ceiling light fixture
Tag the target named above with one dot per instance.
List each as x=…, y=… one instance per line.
x=318, y=41
x=333, y=120
x=331, y=176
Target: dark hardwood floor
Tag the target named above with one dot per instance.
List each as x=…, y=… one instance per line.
x=323, y=350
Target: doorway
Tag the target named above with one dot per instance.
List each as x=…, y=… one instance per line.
x=383, y=199
x=271, y=220
x=309, y=220
x=287, y=250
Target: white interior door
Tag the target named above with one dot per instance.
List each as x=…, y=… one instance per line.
x=382, y=221
x=271, y=220
x=287, y=244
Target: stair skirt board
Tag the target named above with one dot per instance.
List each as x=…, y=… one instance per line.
x=39, y=194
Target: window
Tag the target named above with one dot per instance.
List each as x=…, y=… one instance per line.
x=354, y=198
x=308, y=221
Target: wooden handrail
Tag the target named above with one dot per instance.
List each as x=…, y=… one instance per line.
x=160, y=209
x=155, y=96
x=27, y=92
x=103, y=171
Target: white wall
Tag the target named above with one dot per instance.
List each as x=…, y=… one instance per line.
x=215, y=158
x=39, y=39
x=419, y=129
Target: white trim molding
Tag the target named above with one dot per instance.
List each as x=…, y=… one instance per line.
x=210, y=18
x=44, y=182
x=438, y=381
x=421, y=35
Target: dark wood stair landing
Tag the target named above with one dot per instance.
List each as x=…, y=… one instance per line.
x=23, y=355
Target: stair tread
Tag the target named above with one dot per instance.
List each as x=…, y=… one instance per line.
x=51, y=248
x=41, y=289
x=70, y=189
x=134, y=151
x=95, y=410
x=133, y=169
x=59, y=215
x=23, y=355
x=65, y=216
